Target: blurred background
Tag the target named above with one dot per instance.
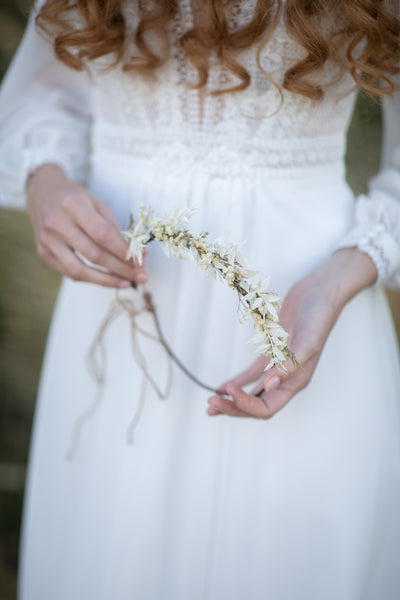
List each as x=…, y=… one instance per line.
x=28, y=289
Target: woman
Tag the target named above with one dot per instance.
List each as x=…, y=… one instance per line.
x=239, y=109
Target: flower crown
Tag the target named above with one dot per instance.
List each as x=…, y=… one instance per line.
x=223, y=261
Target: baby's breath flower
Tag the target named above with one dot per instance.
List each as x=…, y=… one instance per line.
x=223, y=260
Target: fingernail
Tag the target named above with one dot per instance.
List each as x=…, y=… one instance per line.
x=212, y=403
x=272, y=384
x=211, y=413
x=125, y=284
x=142, y=277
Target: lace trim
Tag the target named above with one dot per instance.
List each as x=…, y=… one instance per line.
x=249, y=109
x=371, y=246
x=378, y=244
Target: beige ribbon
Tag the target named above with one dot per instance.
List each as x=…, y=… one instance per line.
x=97, y=363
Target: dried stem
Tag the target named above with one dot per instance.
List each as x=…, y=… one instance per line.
x=152, y=309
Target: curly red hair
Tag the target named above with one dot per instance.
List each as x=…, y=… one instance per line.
x=371, y=25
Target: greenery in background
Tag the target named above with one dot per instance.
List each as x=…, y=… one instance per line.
x=27, y=293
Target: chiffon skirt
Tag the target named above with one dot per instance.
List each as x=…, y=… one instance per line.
x=303, y=506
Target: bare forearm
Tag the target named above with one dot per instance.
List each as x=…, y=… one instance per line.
x=49, y=175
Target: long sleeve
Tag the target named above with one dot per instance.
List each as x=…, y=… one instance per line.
x=45, y=114
x=376, y=229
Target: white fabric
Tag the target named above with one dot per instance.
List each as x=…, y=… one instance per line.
x=45, y=113
x=302, y=506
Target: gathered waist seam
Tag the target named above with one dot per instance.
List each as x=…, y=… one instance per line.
x=295, y=158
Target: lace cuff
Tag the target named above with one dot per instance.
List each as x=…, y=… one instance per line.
x=34, y=150
x=50, y=147
x=377, y=236
x=380, y=247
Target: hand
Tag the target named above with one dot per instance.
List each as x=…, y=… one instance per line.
x=67, y=220
x=309, y=312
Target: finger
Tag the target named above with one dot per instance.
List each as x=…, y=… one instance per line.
x=222, y=405
x=62, y=258
x=108, y=214
x=263, y=407
x=276, y=375
x=106, y=211
x=99, y=229
x=102, y=257
x=49, y=258
x=276, y=399
x=77, y=240
x=247, y=403
x=266, y=385
x=213, y=411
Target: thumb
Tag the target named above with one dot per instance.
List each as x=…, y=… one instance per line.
x=277, y=375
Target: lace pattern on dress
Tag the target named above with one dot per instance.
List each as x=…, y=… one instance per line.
x=172, y=122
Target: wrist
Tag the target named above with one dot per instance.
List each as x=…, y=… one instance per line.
x=340, y=277
x=45, y=174
x=346, y=273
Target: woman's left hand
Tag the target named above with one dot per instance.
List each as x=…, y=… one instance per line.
x=309, y=311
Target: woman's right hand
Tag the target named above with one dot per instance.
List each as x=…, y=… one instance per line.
x=67, y=220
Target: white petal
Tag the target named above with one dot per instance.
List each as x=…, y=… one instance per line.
x=272, y=310
x=257, y=338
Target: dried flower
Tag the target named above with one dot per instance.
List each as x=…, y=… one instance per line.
x=224, y=261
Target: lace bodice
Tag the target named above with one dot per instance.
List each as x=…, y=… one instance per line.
x=273, y=134
x=48, y=113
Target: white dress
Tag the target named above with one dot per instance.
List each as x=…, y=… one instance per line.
x=304, y=506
